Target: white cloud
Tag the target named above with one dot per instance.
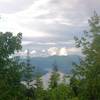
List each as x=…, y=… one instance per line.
x=53, y=51
x=63, y=52
x=57, y=51
x=25, y=52
x=26, y=21
x=67, y=42
x=74, y=50
x=53, y=20
x=22, y=53
x=46, y=43
x=12, y=24
x=6, y=1
x=43, y=50
x=32, y=22
x=33, y=52
x=26, y=43
x=14, y=6
x=34, y=34
x=50, y=52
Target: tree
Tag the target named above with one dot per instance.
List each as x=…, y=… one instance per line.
x=88, y=72
x=61, y=92
x=28, y=77
x=39, y=91
x=28, y=70
x=10, y=70
x=54, y=77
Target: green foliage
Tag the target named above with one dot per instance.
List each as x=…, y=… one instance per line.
x=84, y=82
x=9, y=44
x=10, y=70
x=28, y=70
x=54, y=77
x=39, y=91
x=61, y=92
x=54, y=80
x=88, y=72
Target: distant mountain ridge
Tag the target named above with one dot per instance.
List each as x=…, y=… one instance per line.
x=45, y=64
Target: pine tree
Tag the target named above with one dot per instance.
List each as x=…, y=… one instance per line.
x=39, y=90
x=54, y=77
x=28, y=74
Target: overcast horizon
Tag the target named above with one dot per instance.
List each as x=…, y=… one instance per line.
x=48, y=26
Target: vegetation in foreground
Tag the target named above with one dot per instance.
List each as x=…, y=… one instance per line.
x=84, y=82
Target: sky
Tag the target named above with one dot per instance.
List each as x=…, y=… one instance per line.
x=48, y=26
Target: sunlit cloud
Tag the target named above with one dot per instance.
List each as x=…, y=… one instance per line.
x=43, y=50
x=53, y=51
x=33, y=52
x=63, y=52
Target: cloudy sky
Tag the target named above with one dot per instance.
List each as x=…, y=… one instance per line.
x=48, y=26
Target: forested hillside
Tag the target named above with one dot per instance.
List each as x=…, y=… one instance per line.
x=45, y=64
